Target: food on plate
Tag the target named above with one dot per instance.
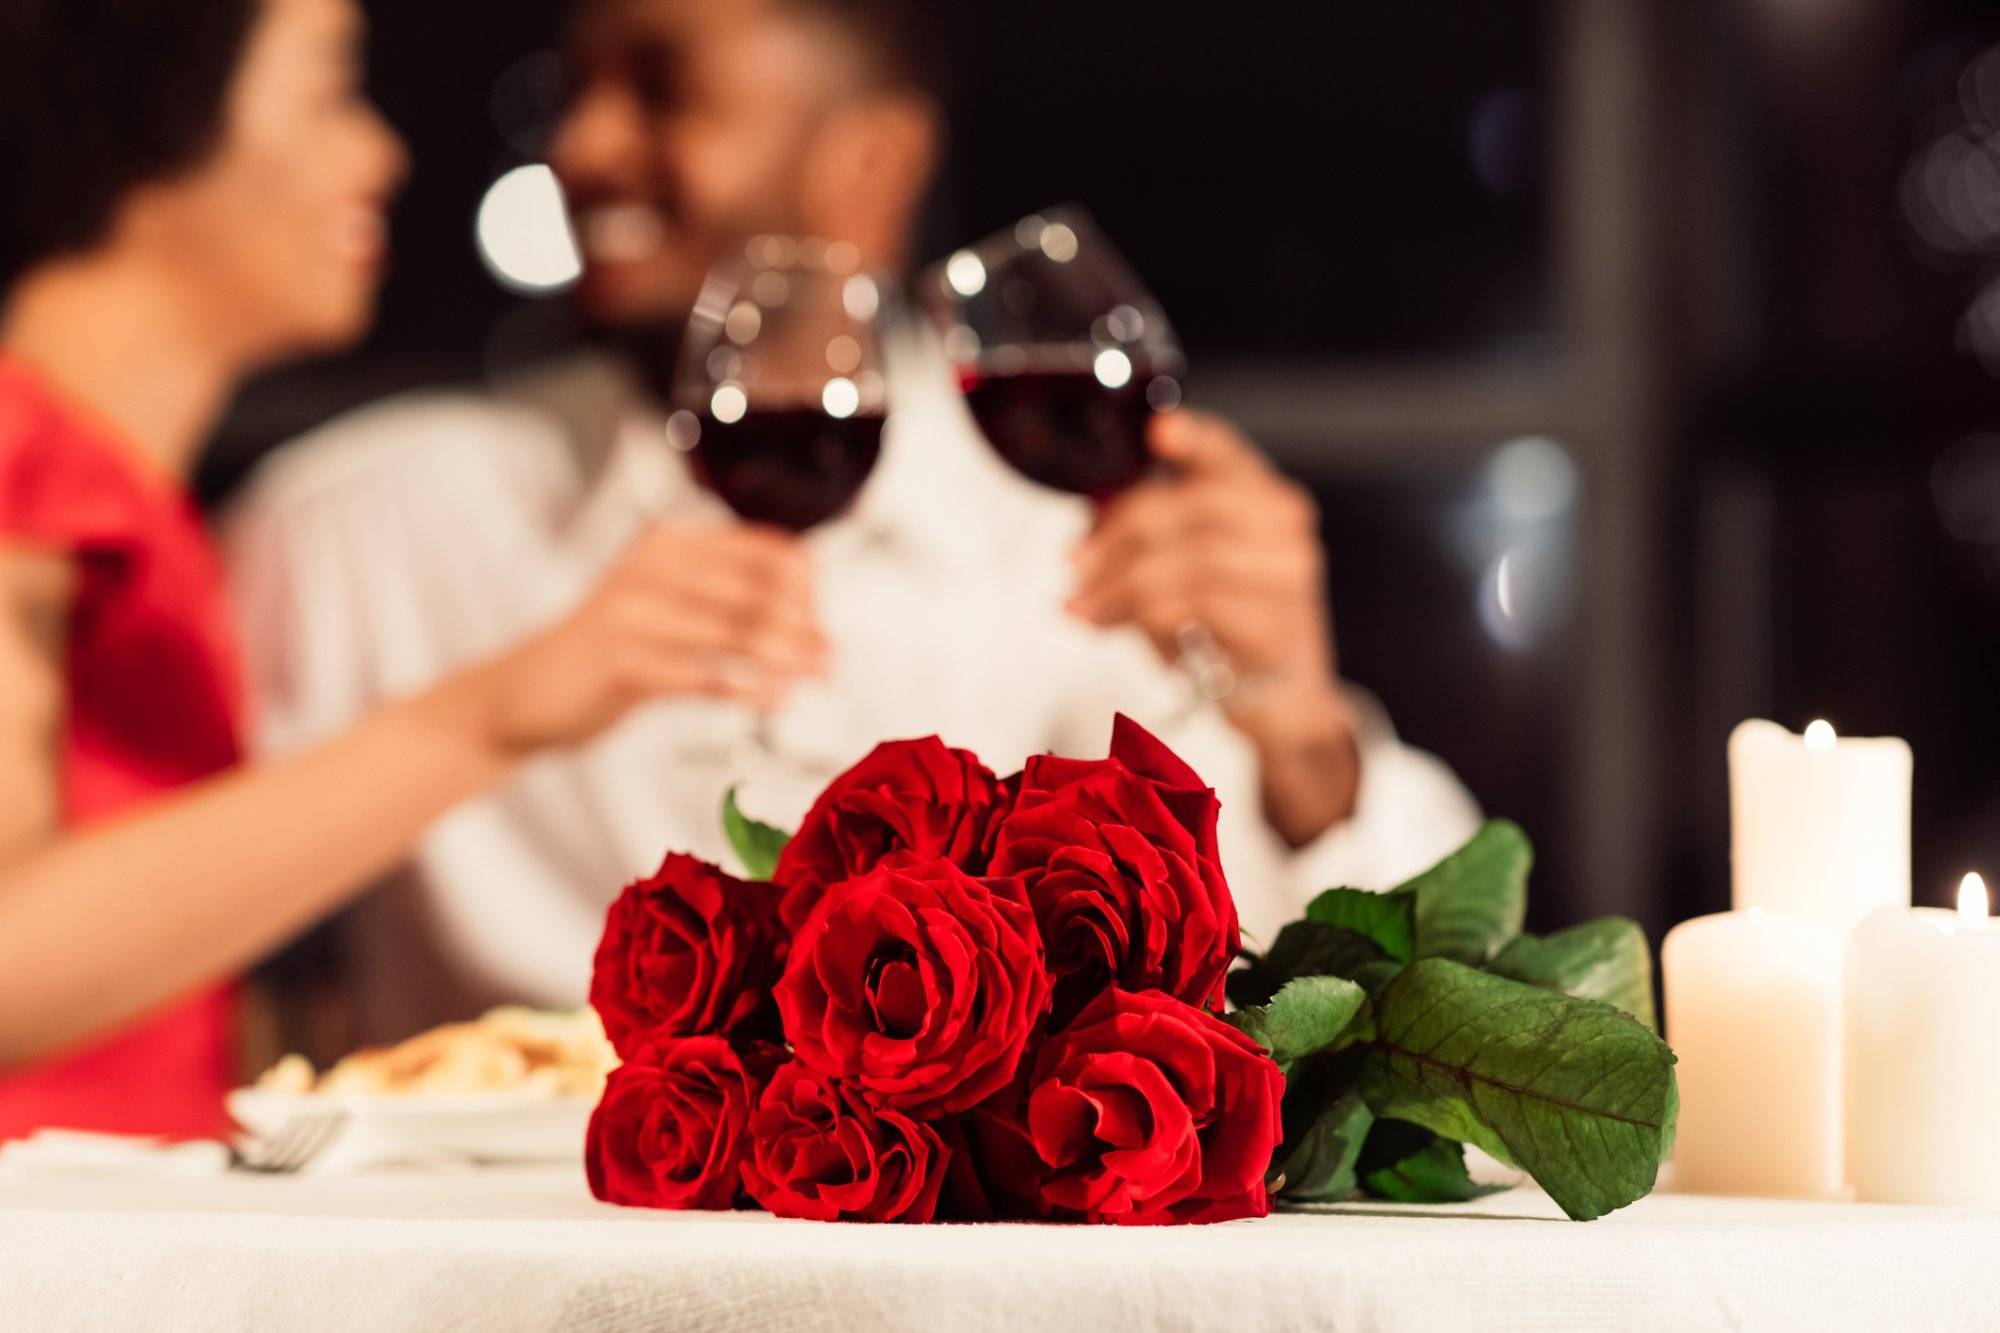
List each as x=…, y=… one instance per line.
x=511, y=1050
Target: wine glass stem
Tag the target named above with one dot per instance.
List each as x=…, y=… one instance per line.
x=1205, y=662
x=754, y=748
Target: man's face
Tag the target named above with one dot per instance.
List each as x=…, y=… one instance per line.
x=689, y=129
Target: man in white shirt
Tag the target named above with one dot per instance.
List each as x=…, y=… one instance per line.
x=955, y=598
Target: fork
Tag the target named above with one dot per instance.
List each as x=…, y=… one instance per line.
x=297, y=1143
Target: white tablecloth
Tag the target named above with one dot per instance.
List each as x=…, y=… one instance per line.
x=530, y=1249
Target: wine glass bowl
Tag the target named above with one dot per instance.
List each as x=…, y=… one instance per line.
x=1061, y=353
x=779, y=395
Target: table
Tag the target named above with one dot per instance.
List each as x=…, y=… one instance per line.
x=528, y=1249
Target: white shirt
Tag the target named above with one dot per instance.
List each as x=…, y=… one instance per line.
x=412, y=538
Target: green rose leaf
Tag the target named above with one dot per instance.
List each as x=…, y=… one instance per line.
x=1373, y=975
x=1474, y=901
x=1604, y=960
x=1387, y=920
x=1307, y=1016
x=1406, y=1163
x=1326, y=1123
x=756, y=845
x=1304, y=949
x=1576, y=1093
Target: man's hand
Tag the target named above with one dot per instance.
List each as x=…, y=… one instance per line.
x=711, y=612
x=1222, y=541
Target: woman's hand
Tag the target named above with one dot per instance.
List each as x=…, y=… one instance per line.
x=711, y=612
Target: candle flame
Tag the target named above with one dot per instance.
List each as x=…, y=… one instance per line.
x=1972, y=900
x=1819, y=735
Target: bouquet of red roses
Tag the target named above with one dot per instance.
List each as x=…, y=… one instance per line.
x=951, y=996
x=956, y=997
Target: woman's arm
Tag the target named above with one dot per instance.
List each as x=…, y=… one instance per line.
x=99, y=926
x=36, y=587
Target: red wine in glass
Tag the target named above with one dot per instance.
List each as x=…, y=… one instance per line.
x=1065, y=427
x=1062, y=354
x=793, y=468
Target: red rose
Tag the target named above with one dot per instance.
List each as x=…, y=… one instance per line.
x=1119, y=859
x=906, y=796
x=918, y=984
x=1143, y=1111
x=820, y=1152
x=671, y=1130
x=1188, y=800
x=689, y=951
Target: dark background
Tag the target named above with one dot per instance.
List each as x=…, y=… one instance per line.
x=1721, y=261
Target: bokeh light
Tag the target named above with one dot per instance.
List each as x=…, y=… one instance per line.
x=965, y=273
x=860, y=297
x=524, y=235
x=1499, y=602
x=1113, y=368
x=1951, y=193
x=728, y=403
x=840, y=398
x=843, y=354
x=1533, y=479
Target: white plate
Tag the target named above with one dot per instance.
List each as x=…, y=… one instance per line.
x=483, y=1127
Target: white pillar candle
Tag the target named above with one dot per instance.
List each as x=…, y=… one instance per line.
x=1923, y=1023
x=1753, y=1014
x=1819, y=824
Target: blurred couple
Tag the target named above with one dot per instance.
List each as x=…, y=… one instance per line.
x=491, y=651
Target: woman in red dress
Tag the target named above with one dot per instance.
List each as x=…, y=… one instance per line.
x=196, y=188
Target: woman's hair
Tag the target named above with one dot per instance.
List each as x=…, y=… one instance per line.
x=98, y=97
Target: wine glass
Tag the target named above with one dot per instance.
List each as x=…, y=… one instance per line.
x=779, y=395
x=1063, y=357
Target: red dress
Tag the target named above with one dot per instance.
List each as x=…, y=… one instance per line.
x=153, y=696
